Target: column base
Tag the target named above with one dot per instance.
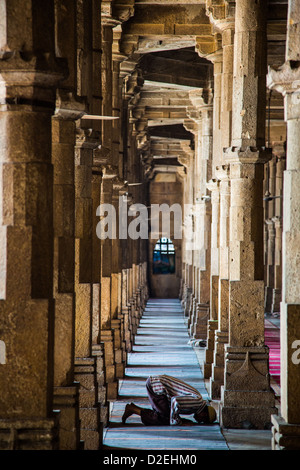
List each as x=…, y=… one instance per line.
x=218, y=367
x=214, y=389
x=246, y=397
x=216, y=382
x=66, y=400
x=209, y=352
x=91, y=431
x=200, y=329
x=30, y=434
x=109, y=364
x=98, y=353
x=126, y=312
x=244, y=415
x=192, y=315
x=187, y=302
x=268, y=299
x=285, y=436
x=118, y=352
x=276, y=299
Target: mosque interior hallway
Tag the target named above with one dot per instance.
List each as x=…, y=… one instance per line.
x=149, y=197
x=163, y=346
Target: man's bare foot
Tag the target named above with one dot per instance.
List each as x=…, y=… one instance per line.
x=129, y=410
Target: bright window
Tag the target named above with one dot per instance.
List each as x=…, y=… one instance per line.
x=164, y=257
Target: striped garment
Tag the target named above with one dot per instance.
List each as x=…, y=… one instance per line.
x=184, y=398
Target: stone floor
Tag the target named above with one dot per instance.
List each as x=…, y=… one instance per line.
x=162, y=346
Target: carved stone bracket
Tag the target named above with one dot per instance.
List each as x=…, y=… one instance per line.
x=247, y=155
x=221, y=13
x=285, y=80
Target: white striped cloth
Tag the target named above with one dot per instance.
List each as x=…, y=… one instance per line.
x=184, y=399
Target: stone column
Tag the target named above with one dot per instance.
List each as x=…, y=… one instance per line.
x=217, y=59
x=106, y=332
x=213, y=187
x=66, y=390
x=29, y=76
x=187, y=252
x=88, y=351
x=116, y=286
x=212, y=202
x=208, y=106
x=110, y=90
x=85, y=361
x=222, y=17
x=205, y=207
x=286, y=428
x=270, y=253
x=276, y=299
x=221, y=334
x=98, y=350
x=269, y=232
x=202, y=102
x=246, y=396
x=117, y=320
x=68, y=110
x=193, y=163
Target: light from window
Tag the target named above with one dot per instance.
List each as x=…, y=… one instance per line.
x=164, y=257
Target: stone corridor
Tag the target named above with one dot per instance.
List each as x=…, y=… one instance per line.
x=162, y=346
x=149, y=149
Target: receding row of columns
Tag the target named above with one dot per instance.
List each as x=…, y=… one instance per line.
x=70, y=302
x=252, y=232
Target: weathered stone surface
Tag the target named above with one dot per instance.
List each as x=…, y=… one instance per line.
x=182, y=94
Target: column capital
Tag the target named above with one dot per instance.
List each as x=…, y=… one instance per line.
x=209, y=49
x=285, y=80
x=221, y=14
x=26, y=82
x=68, y=107
x=277, y=221
x=201, y=100
x=249, y=154
x=114, y=13
x=216, y=56
x=192, y=124
x=213, y=185
x=109, y=172
x=119, y=185
x=117, y=54
x=222, y=172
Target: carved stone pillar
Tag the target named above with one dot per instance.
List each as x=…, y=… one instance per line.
x=106, y=332
x=205, y=324
x=221, y=334
x=68, y=109
x=246, y=394
x=98, y=347
x=202, y=103
x=270, y=234
x=66, y=390
x=277, y=291
x=111, y=163
x=276, y=298
x=286, y=428
x=29, y=76
x=116, y=286
x=222, y=16
x=213, y=187
x=85, y=363
x=270, y=172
